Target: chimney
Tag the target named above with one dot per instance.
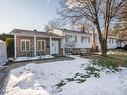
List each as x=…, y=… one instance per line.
x=82, y=28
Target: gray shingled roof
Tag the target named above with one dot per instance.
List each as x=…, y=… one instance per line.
x=73, y=31
x=32, y=32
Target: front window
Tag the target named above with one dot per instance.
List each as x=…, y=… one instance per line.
x=40, y=45
x=87, y=39
x=82, y=39
x=70, y=38
x=109, y=40
x=75, y=38
x=25, y=45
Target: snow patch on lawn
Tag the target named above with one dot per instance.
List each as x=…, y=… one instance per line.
x=33, y=58
x=41, y=79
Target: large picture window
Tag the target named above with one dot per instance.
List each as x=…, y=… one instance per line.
x=87, y=39
x=25, y=45
x=70, y=38
x=40, y=45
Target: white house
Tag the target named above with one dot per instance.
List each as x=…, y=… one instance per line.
x=78, y=40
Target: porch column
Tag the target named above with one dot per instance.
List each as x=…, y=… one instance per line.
x=35, y=49
x=63, y=51
x=50, y=45
x=63, y=45
x=15, y=54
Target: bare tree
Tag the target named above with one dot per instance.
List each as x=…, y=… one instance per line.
x=53, y=24
x=98, y=12
x=123, y=16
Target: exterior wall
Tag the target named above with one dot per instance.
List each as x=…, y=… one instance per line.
x=18, y=46
x=112, y=44
x=97, y=42
x=85, y=44
x=78, y=44
x=47, y=46
x=21, y=53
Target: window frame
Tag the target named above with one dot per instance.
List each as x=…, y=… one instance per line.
x=41, y=45
x=24, y=40
x=82, y=39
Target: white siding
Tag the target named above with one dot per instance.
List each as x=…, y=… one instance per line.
x=85, y=44
x=79, y=44
x=111, y=43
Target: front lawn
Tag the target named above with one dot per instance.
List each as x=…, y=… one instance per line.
x=75, y=77
x=112, y=62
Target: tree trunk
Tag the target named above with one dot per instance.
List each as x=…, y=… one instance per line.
x=102, y=40
x=104, y=48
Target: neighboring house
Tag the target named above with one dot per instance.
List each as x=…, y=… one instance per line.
x=112, y=42
x=55, y=42
x=81, y=40
x=122, y=41
x=35, y=43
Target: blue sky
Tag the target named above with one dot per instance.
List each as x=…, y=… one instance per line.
x=26, y=14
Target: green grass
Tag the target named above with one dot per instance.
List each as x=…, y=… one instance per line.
x=111, y=62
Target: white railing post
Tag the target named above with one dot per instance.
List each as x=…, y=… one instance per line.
x=35, y=47
x=15, y=54
x=50, y=45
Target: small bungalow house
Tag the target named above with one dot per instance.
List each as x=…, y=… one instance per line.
x=35, y=43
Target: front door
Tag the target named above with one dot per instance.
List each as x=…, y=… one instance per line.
x=55, y=47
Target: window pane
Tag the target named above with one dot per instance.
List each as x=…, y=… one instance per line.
x=88, y=39
x=39, y=45
x=23, y=45
x=66, y=37
x=75, y=38
x=82, y=38
x=43, y=45
x=27, y=45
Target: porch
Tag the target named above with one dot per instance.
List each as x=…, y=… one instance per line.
x=36, y=46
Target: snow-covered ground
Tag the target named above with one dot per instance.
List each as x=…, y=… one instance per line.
x=43, y=79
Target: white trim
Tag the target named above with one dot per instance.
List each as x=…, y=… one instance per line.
x=25, y=40
x=35, y=47
x=15, y=53
x=41, y=45
x=55, y=47
x=18, y=34
x=50, y=45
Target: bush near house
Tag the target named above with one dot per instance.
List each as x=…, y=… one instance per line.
x=10, y=47
x=4, y=36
